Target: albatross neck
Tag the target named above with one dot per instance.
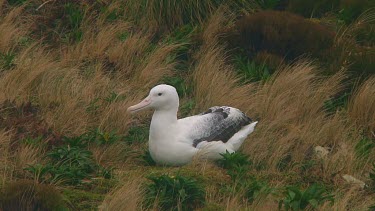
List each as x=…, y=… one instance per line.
x=164, y=117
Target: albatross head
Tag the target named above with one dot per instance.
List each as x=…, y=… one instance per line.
x=161, y=97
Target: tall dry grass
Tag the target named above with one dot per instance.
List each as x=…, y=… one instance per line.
x=71, y=86
x=362, y=107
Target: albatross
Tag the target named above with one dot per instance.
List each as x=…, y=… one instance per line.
x=175, y=141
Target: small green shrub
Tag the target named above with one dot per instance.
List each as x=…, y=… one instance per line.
x=71, y=164
x=282, y=33
x=250, y=71
x=7, y=60
x=37, y=142
x=27, y=195
x=313, y=196
x=175, y=192
x=39, y=172
x=256, y=188
x=236, y=163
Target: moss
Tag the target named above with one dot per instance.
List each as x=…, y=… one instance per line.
x=26, y=195
x=281, y=33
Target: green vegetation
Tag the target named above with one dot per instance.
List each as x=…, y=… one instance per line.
x=313, y=196
x=6, y=60
x=174, y=192
x=69, y=70
x=237, y=164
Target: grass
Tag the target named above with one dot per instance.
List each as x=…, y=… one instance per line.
x=69, y=71
x=174, y=193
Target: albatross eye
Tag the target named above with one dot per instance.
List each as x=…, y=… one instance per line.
x=160, y=94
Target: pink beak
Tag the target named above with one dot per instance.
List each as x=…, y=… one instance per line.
x=142, y=105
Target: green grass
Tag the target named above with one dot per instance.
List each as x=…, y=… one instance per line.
x=137, y=134
x=250, y=71
x=364, y=147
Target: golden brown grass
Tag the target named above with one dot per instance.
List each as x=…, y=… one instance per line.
x=127, y=196
x=362, y=106
x=70, y=85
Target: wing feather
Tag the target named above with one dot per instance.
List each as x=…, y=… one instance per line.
x=218, y=123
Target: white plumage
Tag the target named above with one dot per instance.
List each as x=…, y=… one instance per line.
x=175, y=141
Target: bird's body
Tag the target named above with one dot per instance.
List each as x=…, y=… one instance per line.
x=175, y=141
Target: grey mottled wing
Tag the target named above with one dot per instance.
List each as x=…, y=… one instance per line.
x=220, y=123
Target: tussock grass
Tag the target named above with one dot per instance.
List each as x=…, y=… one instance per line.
x=362, y=106
x=75, y=87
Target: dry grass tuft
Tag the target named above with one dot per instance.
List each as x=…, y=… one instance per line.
x=362, y=106
x=128, y=195
x=10, y=29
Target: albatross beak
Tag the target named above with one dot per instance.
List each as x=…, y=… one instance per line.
x=140, y=106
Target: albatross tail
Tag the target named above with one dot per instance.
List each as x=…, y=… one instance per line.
x=238, y=138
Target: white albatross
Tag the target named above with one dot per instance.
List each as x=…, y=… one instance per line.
x=175, y=141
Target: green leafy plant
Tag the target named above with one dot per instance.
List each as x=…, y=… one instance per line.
x=37, y=142
x=7, y=60
x=40, y=172
x=71, y=164
x=175, y=192
x=255, y=188
x=250, y=71
x=313, y=196
x=237, y=164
